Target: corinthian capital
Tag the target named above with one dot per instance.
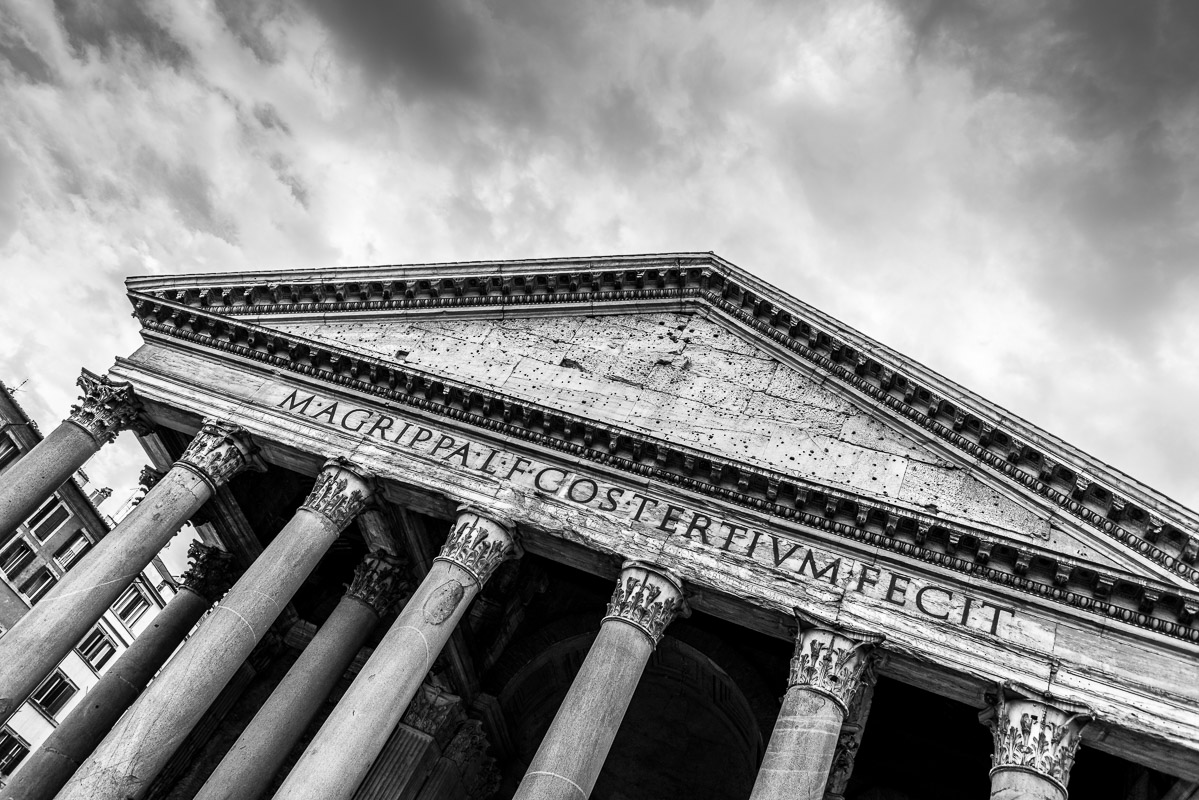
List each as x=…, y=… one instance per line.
x=220, y=451
x=647, y=598
x=211, y=571
x=379, y=582
x=340, y=492
x=1034, y=735
x=106, y=408
x=832, y=662
x=478, y=544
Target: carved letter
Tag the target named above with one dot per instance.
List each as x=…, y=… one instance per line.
x=346, y=419
x=296, y=405
x=809, y=563
x=920, y=601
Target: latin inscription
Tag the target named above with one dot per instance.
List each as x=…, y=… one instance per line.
x=781, y=553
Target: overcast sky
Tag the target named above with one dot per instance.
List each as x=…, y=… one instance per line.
x=1007, y=192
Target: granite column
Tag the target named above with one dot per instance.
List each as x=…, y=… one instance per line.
x=43, y=637
x=571, y=755
x=141, y=743
x=248, y=767
x=347, y=744
x=52, y=764
x=826, y=673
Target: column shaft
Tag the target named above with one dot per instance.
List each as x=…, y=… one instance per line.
x=801, y=748
x=141, y=743
x=32, y=479
x=357, y=729
x=44, y=636
x=571, y=755
x=1011, y=785
x=351, y=739
x=826, y=674
x=52, y=764
x=246, y=770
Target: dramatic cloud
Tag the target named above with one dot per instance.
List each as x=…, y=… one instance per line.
x=1005, y=192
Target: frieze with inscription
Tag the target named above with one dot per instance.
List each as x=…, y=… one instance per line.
x=724, y=538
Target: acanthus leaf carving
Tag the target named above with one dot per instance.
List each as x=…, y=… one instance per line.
x=106, y=408
x=220, y=451
x=647, y=598
x=1034, y=735
x=379, y=582
x=340, y=492
x=478, y=545
x=832, y=663
x=211, y=571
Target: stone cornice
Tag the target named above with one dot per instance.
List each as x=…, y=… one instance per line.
x=1150, y=604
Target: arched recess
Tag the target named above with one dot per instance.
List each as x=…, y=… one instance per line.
x=690, y=731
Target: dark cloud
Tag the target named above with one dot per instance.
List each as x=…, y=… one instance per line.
x=287, y=176
x=424, y=45
x=1109, y=62
x=268, y=117
x=9, y=197
x=106, y=24
x=23, y=60
x=696, y=7
x=1120, y=81
x=248, y=22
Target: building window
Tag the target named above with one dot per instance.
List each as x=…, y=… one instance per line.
x=97, y=648
x=54, y=693
x=8, y=451
x=47, y=519
x=131, y=605
x=38, y=584
x=70, y=552
x=12, y=750
x=16, y=557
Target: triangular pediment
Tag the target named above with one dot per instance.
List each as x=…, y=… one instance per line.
x=689, y=356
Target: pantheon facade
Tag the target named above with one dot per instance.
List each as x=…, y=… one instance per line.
x=619, y=527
